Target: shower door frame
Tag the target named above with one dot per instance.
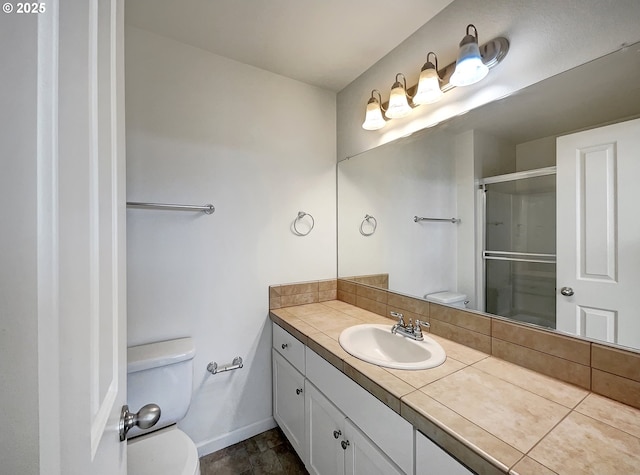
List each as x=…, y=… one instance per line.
x=482, y=225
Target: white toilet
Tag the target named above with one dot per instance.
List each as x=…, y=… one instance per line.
x=454, y=299
x=161, y=373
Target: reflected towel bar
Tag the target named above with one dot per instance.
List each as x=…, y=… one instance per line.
x=519, y=257
x=450, y=220
x=206, y=209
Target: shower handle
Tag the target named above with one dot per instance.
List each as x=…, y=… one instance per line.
x=566, y=291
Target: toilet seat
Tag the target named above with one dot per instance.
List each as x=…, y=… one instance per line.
x=165, y=452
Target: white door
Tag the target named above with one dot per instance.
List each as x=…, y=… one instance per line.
x=81, y=190
x=598, y=229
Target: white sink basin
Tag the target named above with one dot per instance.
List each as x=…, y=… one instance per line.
x=376, y=344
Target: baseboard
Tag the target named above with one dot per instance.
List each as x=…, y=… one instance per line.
x=212, y=445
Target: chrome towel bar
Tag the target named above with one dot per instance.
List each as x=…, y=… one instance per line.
x=206, y=209
x=450, y=220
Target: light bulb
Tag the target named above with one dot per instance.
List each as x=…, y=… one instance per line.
x=398, y=105
x=373, y=119
x=469, y=68
x=428, y=85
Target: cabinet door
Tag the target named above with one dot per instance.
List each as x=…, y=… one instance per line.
x=288, y=402
x=432, y=460
x=386, y=428
x=362, y=457
x=325, y=432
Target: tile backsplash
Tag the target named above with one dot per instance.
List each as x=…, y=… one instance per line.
x=289, y=295
x=609, y=371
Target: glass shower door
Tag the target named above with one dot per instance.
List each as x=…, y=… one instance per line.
x=520, y=247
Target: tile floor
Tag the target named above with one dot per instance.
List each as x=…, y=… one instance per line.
x=266, y=453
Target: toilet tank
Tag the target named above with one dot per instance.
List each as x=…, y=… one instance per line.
x=454, y=299
x=161, y=373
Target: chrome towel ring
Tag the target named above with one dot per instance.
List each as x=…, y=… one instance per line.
x=296, y=222
x=368, y=220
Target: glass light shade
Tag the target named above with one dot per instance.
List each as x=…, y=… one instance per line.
x=398, y=104
x=373, y=119
x=428, y=87
x=469, y=68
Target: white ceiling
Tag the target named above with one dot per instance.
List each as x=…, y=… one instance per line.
x=326, y=43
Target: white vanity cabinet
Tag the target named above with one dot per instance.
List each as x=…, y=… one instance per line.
x=339, y=428
x=335, y=445
x=432, y=460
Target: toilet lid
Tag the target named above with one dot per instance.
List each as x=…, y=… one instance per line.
x=166, y=452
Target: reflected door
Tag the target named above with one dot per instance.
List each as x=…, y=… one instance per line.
x=599, y=233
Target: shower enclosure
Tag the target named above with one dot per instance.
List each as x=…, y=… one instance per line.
x=520, y=246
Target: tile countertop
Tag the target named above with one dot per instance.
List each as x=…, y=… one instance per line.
x=494, y=416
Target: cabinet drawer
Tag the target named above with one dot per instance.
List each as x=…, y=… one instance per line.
x=288, y=346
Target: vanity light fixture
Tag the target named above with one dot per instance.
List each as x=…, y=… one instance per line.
x=398, y=101
x=429, y=83
x=473, y=64
x=373, y=119
x=469, y=68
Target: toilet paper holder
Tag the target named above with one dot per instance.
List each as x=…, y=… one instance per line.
x=213, y=367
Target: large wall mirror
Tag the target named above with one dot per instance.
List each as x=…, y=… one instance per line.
x=526, y=205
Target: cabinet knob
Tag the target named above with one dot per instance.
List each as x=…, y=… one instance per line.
x=298, y=391
x=345, y=444
x=337, y=433
x=285, y=345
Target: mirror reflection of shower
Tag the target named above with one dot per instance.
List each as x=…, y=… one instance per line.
x=520, y=246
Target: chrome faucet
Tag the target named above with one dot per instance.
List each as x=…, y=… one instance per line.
x=410, y=331
x=400, y=323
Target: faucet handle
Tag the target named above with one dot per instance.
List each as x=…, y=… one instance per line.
x=399, y=316
x=418, y=330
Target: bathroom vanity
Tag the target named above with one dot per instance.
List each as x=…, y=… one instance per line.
x=336, y=426
x=473, y=414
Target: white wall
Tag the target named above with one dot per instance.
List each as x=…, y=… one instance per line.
x=478, y=155
x=537, y=153
x=546, y=36
x=19, y=445
x=467, y=172
x=417, y=179
x=259, y=147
